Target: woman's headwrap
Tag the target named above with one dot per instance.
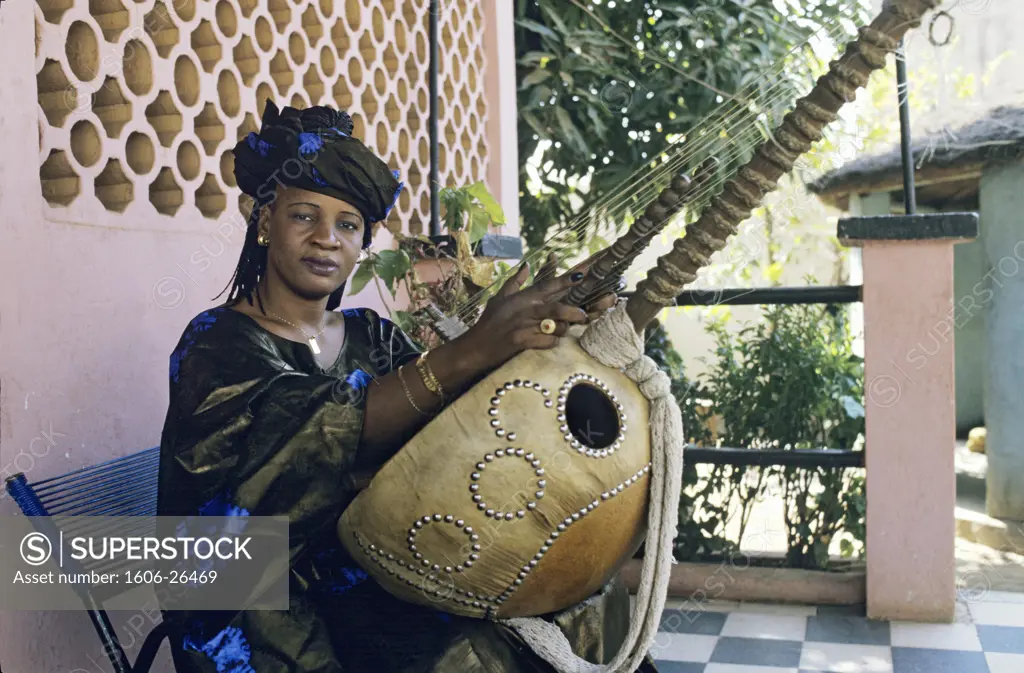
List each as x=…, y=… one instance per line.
x=313, y=149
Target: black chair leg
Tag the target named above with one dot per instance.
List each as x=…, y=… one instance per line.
x=111, y=645
x=150, y=647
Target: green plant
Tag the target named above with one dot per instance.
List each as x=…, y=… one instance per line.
x=792, y=381
x=471, y=209
x=789, y=381
x=468, y=213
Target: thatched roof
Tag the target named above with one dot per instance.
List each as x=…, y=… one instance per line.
x=948, y=164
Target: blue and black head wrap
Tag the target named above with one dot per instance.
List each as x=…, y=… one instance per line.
x=311, y=149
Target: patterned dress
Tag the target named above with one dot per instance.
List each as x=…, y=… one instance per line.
x=256, y=427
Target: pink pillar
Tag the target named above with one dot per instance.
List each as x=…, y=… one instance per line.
x=502, y=113
x=909, y=326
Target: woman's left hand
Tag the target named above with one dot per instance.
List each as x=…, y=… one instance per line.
x=594, y=309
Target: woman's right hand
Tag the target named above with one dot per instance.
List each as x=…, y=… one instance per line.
x=511, y=321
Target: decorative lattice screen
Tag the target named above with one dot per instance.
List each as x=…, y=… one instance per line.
x=141, y=102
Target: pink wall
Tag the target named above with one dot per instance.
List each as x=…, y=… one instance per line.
x=90, y=310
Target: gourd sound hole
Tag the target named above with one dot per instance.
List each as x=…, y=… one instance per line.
x=592, y=416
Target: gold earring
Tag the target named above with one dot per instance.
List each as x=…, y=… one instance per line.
x=263, y=239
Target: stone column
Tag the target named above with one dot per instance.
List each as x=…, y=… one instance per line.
x=911, y=411
x=1002, y=208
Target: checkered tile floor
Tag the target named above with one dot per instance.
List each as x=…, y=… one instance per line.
x=748, y=638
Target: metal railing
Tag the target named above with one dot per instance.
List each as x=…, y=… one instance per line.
x=824, y=294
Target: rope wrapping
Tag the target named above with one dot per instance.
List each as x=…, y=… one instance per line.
x=614, y=342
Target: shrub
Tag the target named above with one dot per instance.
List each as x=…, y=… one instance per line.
x=789, y=381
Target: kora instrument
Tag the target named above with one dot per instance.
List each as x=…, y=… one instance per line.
x=530, y=491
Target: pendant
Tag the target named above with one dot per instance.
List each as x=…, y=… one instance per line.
x=314, y=345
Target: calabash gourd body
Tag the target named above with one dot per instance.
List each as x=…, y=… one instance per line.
x=522, y=497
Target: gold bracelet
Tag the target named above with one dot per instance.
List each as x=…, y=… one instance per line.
x=408, y=394
x=429, y=380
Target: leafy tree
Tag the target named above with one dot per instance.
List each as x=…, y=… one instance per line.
x=608, y=84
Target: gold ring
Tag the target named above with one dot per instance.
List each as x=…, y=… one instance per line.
x=548, y=326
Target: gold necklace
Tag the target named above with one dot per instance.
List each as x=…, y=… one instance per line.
x=311, y=339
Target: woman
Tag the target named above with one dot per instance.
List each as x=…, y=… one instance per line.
x=279, y=406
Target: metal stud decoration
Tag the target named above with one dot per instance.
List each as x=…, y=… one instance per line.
x=559, y=407
x=437, y=581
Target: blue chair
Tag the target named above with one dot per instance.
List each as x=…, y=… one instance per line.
x=122, y=487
